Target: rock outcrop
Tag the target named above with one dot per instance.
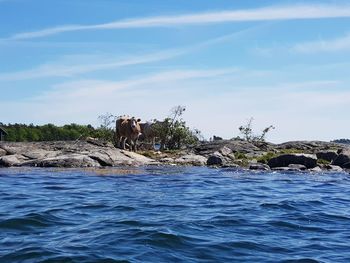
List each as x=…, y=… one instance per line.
x=327, y=155
x=284, y=160
x=68, y=154
x=215, y=160
x=191, y=159
x=290, y=156
x=343, y=159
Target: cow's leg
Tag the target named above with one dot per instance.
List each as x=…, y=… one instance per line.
x=117, y=139
x=131, y=145
x=135, y=145
x=153, y=143
x=123, y=139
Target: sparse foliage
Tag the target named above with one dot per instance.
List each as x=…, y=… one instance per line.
x=248, y=135
x=105, y=131
x=173, y=132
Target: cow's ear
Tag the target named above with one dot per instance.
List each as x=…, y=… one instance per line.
x=138, y=120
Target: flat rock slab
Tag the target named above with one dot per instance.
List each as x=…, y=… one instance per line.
x=68, y=161
x=12, y=160
x=2, y=152
x=68, y=154
x=191, y=159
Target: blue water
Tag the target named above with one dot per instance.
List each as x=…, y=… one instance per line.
x=169, y=214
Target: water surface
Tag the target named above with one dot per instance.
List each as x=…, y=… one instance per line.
x=173, y=214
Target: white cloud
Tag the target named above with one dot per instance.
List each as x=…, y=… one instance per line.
x=80, y=101
x=67, y=70
x=330, y=45
x=72, y=67
x=215, y=105
x=260, y=14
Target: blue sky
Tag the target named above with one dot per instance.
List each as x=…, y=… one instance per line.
x=284, y=63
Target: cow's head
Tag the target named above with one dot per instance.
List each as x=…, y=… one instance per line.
x=134, y=124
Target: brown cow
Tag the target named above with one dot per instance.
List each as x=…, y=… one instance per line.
x=127, y=129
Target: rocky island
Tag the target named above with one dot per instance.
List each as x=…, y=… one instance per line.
x=313, y=156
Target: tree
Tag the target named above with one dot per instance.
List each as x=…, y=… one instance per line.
x=105, y=131
x=247, y=132
x=173, y=132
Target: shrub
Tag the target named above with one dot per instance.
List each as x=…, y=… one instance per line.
x=248, y=135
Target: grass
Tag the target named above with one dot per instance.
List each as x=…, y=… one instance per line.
x=322, y=161
x=291, y=151
x=266, y=157
x=239, y=155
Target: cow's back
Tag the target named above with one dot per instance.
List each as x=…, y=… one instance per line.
x=122, y=127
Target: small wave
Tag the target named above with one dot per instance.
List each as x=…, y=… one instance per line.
x=301, y=260
x=28, y=254
x=280, y=205
x=285, y=224
x=30, y=221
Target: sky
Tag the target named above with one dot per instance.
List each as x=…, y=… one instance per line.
x=284, y=63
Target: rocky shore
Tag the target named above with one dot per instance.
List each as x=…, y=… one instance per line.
x=313, y=156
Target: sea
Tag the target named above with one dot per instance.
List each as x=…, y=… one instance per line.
x=173, y=214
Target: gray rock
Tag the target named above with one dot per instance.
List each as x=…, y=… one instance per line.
x=209, y=148
x=316, y=169
x=12, y=160
x=135, y=158
x=300, y=167
x=343, y=158
x=191, y=159
x=68, y=161
x=327, y=155
x=225, y=151
x=2, y=152
x=286, y=169
x=215, y=160
x=230, y=165
x=167, y=160
x=309, y=160
x=102, y=158
x=71, y=154
x=308, y=146
x=346, y=165
x=332, y=168
x=259, y=166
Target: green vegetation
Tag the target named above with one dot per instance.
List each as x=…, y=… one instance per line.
x=173, y=132
x=239, y=155
x=266, y=157
x=50, y=132
x=247, y=132
x=291, y=151
x=322, y=161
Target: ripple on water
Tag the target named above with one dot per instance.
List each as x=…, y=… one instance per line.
x=31, y=221
x=172, y=214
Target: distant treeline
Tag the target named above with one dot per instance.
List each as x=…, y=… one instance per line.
x=50, y=132
x=346, y=141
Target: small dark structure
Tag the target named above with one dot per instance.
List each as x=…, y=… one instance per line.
x=3, y=133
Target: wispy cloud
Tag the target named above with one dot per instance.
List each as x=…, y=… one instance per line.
x=330, y=45
x=260, y=14
x=69, y=101
x=83, y=101
x=59, y=69
x=68, y=70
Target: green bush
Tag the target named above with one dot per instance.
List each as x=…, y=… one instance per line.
x=266, y=157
